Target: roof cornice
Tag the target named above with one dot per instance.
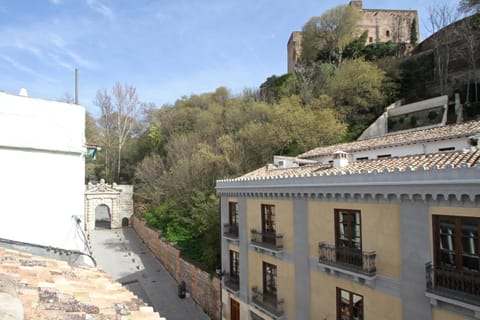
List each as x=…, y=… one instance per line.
x=459, y=184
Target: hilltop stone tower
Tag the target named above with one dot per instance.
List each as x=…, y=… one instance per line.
x=382, y=26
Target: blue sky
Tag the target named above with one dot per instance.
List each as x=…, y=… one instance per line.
x=166, y=48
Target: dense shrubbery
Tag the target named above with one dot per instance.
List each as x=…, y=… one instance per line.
x=202, y=138
x=192, y=222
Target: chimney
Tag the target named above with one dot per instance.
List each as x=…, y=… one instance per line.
x=340, y=159
x=23, y=92
x=357, y=4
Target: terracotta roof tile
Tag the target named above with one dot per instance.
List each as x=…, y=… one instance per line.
x=52, y=289
x=439, y=133
x=454, y=159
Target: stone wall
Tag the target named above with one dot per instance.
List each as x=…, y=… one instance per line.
x=294, y=50
x=460, y=67
x=204, y=288
x=125, y=202
x=382, y=26
x=388, y=25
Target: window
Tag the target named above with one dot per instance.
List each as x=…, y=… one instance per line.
x=269, y=281
x=268, y=223
x=362, y=158
x=380, y=156
x=349, y=305
x=348, y=229
x=234, y=262
x=233, y=213
x=457, y=242
x=387, y=33
x=370, y=39
x=348, y=238
x=446, y=149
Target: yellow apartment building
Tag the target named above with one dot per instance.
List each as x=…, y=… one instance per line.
x=382, y=228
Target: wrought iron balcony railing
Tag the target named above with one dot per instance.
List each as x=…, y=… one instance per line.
x=268, y=302
x=453, y=284
x=270, y=240
x=347, y=258
x=232, y=281
x=230, y=230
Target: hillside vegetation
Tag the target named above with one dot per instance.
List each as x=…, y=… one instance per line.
x=174, y=154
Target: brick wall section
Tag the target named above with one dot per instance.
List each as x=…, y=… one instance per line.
x=204, y=288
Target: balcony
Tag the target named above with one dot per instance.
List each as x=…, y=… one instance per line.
x=269, y=241
x=452, y=286
x=354, y=261
x=230, y=231
x=232, y=282
x=268, y=303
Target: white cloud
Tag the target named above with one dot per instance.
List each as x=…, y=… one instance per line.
x=18, y=65
x=56, y=2
x=101, y=8
x=63, y=50
x=59, y=61
x=78, y=59
x=43, y=44
x=21, y=67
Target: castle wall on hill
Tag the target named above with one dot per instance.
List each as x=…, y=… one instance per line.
x=454, y=50
x=382, y=26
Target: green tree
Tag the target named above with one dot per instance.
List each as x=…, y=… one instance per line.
x=416, y=72
x=149, y=186
x=190, y=221
x=357, y=89
x=326, y=37
x=441, y=15
x=119, y=111
x=92, y=136
x=306, y=126
x=274, y=88
x=354, y=49
x=106, y=122
x=376, y=51
x=202, y=138
x=413, y=32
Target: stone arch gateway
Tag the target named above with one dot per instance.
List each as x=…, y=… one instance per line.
x=118, y=199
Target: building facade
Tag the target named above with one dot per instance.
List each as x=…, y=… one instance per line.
x=42, y=147
x=382, y=26
x=392, y=236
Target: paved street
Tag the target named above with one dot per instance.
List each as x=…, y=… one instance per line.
x=123, y=255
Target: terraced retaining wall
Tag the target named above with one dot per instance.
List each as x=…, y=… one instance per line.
x=204, y=288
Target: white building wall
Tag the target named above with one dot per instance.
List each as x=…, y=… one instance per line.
x=42, y=171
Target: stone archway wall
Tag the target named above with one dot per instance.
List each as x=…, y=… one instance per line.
x=118, y=198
